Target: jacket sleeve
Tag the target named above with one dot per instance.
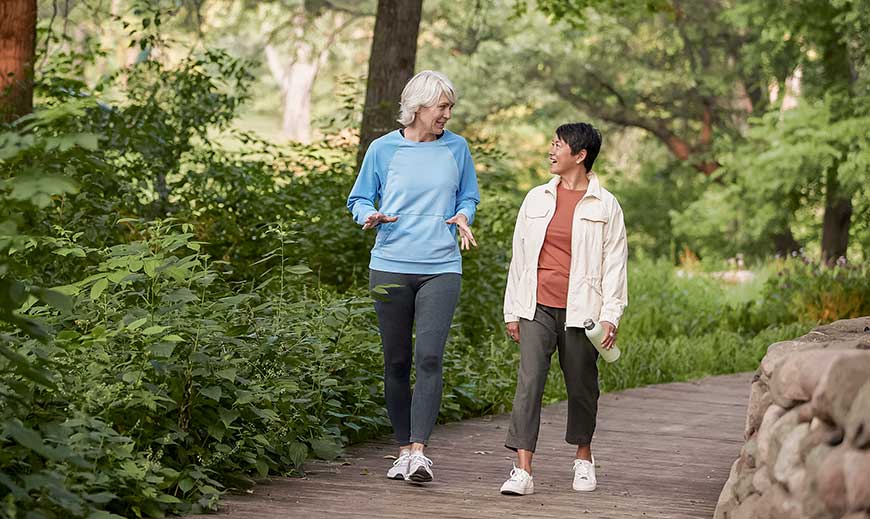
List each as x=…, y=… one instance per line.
x=468, y=195
x=614, y=282
x=515, y=271
x=361, y=200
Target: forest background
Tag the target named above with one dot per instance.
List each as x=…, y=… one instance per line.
x=183, y=295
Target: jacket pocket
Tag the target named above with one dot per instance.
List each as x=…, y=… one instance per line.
x=585, y=296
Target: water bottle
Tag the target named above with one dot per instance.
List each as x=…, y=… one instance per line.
x=595, y=332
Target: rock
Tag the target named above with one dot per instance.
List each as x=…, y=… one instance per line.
x=778, y=504
x=747, y=509
x=796, y=377
x=820, y=433
x=839, y=385
x=773, y=413
x=779, y=351
x=788, y=459
x=858, y=420
x=743, y=486
x=759, y=400
x=857, y=515
x=844, y=327
x=856, y=472
x=796, y=482
x=829, y=483
x=780, y=430
x=727, y=500
x=761, y=481
x=749, y=453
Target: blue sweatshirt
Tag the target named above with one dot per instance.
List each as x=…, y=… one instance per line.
x=423, y=184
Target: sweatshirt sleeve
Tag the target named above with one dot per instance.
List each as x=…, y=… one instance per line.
x=614, y=281
x=366, y=189
x=468, y=195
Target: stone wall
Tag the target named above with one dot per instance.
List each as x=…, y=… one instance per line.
x=807, y=450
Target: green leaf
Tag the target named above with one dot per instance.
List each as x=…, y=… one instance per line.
x=66, y=251
x=185, y=485
x=166, y=498
x=297, y=451
x=38, y=189
x=54, y=298
x=132, y=376
x=228, y=415
x=150, y=266
x=173, y=338
x=299, y=269
x=213, y=392
x=98, y=288
x=161, y=349
x=153, y=330
x=137, y=323
x=326, y=448
x=262, y=467
x=228, y=373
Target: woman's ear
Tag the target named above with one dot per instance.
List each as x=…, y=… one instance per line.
x=580, y=157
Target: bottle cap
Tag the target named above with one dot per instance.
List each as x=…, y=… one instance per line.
x=588, y=324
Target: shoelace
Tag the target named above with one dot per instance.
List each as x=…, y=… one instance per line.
x=402, y=459
x=517, y=474
x=420, y=457
x=583, y=473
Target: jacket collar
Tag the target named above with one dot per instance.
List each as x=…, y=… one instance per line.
x=594, y=188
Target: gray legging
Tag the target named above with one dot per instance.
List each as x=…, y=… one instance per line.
x=428, y=300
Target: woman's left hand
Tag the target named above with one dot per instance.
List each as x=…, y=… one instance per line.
x=609, y=335
x=466, y=238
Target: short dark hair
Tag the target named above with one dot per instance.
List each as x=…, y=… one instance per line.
x=581, y=136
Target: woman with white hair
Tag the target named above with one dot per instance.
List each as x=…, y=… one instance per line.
x=422, y=178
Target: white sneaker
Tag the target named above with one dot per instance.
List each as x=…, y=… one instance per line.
x=521, y=483
x=400, y=466
x=584, y=475
x=419, y=469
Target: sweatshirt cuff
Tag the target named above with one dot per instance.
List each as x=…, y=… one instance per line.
x=510, y=318
x=362, y=220
x=469, y=214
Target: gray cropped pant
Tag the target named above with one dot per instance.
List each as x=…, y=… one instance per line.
x=427, y=301
x=539, y=339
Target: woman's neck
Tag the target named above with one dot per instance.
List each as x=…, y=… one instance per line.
x=575, y=180
x=413, y=133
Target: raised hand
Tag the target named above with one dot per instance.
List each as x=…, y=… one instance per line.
x=466, y=238
x=375, y=219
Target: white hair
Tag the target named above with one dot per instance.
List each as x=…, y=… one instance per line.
x=423, y=90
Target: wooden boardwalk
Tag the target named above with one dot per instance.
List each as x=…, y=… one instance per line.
x=662, y=451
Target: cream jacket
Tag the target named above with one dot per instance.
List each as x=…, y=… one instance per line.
x=597, y=282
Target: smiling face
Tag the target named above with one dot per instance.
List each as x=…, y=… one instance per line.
x=561, y=158
x=433, y=119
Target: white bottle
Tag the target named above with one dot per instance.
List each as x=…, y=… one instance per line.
x=595, y=332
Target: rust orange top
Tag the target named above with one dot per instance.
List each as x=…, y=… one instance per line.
x=554, y=262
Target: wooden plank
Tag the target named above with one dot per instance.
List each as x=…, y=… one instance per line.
x=662, y=452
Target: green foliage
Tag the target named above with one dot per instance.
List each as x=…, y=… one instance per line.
x=803, y=291
x=183, y=305
x=774, y=178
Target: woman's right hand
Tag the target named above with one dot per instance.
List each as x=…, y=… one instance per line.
x=375, y=219
x=513, y=329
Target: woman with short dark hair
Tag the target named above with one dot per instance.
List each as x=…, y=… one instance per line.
x=568, y=265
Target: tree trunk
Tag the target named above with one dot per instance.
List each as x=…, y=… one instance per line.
x=391, y=65
x=17, y=57
x=784, y=242
x=837, y=219
x=296, y=80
